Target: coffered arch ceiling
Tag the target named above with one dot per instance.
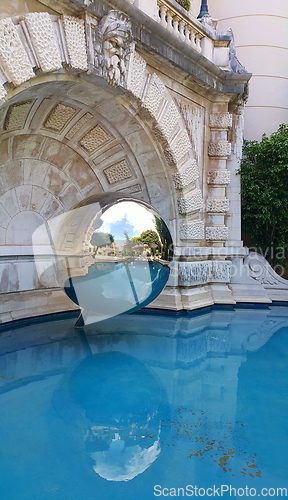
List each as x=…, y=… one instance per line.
x=62, y=141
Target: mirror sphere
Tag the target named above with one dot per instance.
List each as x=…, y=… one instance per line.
x=112, y=254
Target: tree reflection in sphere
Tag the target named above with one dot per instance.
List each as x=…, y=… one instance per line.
x=112, y=254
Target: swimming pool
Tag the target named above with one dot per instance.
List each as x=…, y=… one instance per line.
x=145, y=406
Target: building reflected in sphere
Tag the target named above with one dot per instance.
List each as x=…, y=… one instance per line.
x=112, y=254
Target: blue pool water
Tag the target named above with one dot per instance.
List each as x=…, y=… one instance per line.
x=145, y=406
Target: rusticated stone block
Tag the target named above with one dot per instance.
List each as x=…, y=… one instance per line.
x=217, y=233
x=13, y=55
x=191, y=203
x=220, y=120
x=218, y=177
x=217, y=205
x=192, y=231
x=219, y=148
x=43, y=37
x=186, y=176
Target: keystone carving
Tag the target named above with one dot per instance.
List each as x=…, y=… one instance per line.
x=112, y=47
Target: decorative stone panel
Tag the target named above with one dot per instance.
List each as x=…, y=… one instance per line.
x=118, y=172
x=194, y=120
x=43, y=36
x=137, y=75
x=220, y=120
x=192, y=231
x=16, y=115
x=76, y=42
x=221, y=270
x=13, y=57
x=169, y=119
x=59, y=117
x=217, y=205
x=219, y=148
x=191, y=203
x=78, y=125
x=94, y=139
x=221, y=177
x=179, y=147
x=155, y=94
x=217, y=233
x=187, y=176
x=195, y=273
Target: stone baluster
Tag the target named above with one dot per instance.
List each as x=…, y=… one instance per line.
x=181, y=30
x=163, y=13
x=176, y=20
x=169, y=21
x=198, y=40
x=187, y=34
x=193, y=44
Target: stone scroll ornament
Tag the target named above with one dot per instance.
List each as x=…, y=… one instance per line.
x=112, y=47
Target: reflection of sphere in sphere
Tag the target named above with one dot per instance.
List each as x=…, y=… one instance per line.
x=111, y=254
x=113, y=403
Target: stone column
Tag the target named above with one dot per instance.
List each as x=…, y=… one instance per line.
x=218, y=177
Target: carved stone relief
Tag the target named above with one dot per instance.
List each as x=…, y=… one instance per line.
x=193, y=273
x=118, y=172
x=219, y=148
x=186, y=176
x=13, y=55
x=16, y=115
x=44, y=40
x=113, y=47
x=194, y=120
x=76, y=42
x=220, y=120
x=192, y=231
x=217, y=205
x=59, y=117
x=217, y=233
x=94, y=139
x=190, y=203
x=218, y=177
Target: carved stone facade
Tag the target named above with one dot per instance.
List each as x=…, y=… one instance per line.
x=106, y=112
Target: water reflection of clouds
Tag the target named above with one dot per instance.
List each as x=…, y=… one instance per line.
x=123, y=463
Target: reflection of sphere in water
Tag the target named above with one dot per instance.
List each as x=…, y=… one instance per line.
x=115, y=404
x=111, y=254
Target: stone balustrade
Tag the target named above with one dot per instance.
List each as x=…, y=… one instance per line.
x=180, y=25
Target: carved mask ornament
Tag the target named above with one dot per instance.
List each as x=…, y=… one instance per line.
x=113, y=45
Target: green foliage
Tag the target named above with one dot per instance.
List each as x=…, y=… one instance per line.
x=101, y=239
x=264, y=189
x=148, y=237
x=184, y=3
